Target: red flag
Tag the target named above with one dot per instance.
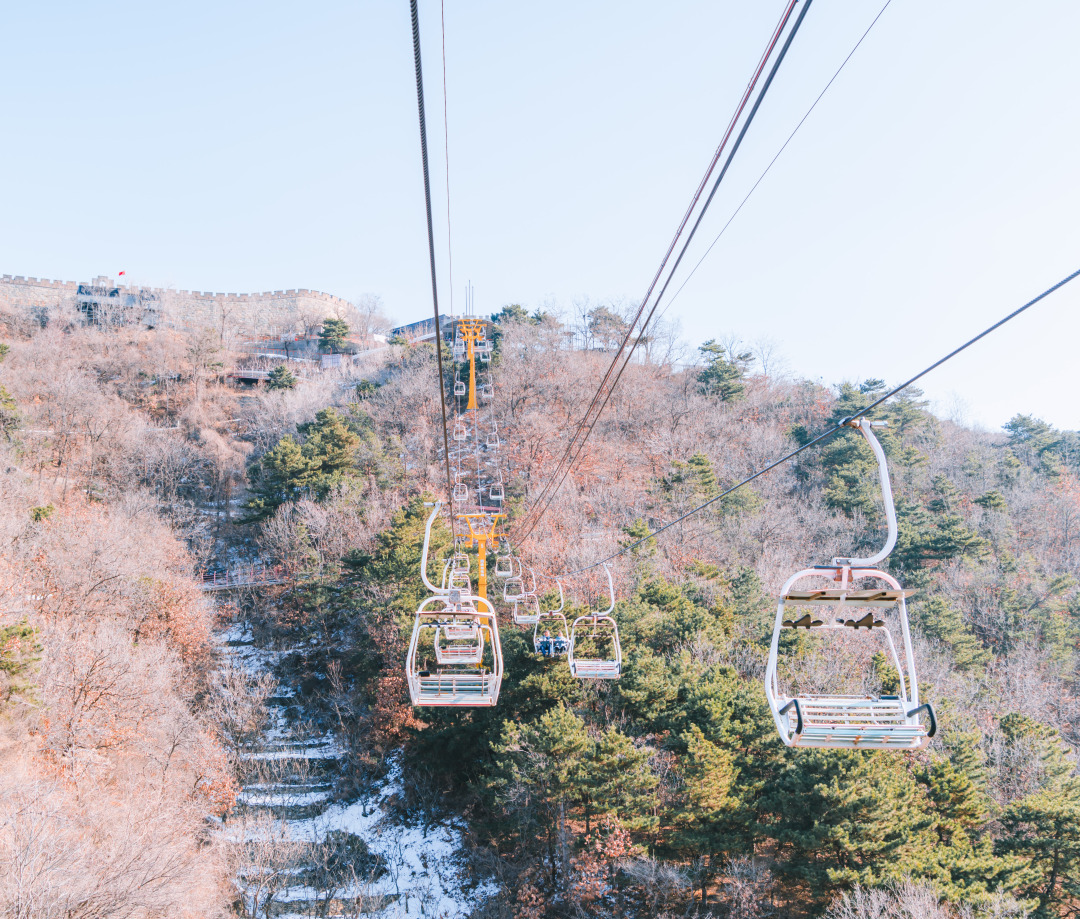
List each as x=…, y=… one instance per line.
x=122, y=273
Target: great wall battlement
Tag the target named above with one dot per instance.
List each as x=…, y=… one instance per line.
x=270, y=312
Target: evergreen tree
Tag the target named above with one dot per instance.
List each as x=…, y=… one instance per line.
x=333, y=335
x=924, y=537
x=283, y=473
x=512, y=312
x=646, y=688
x=1042, y=831
x=938, y=621
x=707, y=819
x=961, y=864
x=845, y=817
x=288, y=470
x=723, y=374
x=618, y=781
x=636, y=531
x=281, y=377
x=330, y=443
x=9, y=412
x=537, y=779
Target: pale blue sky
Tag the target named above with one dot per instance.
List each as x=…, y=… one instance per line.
x=256, y=146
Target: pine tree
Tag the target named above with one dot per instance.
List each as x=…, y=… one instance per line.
x=722, y=374
x=618, y=781
x=1042, y=831
x=333, y=335
x=281, y=377
x=330, y=444
x=537, y=780
x=709, y=816
x=962, y=864
x=646, y=688
x=283, y=473
x=938, y=621
x=845, y=817
x=9, y=412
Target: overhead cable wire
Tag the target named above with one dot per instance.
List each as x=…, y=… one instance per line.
x=431, y=253
x=772, y=163
x=446, y=149
x=561, y=473
x=831, y=431
x=531, y=517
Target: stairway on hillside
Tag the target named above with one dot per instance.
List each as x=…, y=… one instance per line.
x=303, y=851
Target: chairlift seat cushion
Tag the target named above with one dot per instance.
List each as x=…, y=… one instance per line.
x=855, y=722
x=596, y=670
x=456, y=689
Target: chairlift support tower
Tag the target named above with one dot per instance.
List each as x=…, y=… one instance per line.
x=484, y=531
x=484, y=527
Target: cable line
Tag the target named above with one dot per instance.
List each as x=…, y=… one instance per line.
x=431, y=251
x=446, y=149
x=772, y=163
x=532, y=517
x=575, y=446
x=833, y=430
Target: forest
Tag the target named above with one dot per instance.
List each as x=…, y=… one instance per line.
x=128, y=465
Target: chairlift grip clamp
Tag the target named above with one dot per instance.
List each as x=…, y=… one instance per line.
x=852, y=422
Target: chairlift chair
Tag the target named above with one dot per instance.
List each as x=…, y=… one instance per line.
x=594, y=626
x=459, y=642
x=504, y=566
x=459, y=388
x=514, y=588
x=468, y=670
x=496, y=491
x=487, y=392
x=551, y=635
x=461, y=432
x=847, y=722
x=526, y=610
x=461, y=492
x=460, y=562
x=459, y=624
x=493, y=438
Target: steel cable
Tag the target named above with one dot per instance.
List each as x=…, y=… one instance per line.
x=532, y=517
x=833, y=430
x=576, y=446
x=431, y=253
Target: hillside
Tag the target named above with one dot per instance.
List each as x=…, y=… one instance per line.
x=129, y=466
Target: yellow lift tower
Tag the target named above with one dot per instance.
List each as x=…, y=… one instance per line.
x=485, y=524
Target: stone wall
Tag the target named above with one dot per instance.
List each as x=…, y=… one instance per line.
x=268, y=313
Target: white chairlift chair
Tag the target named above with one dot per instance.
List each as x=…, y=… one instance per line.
x=850, y=722
x=587, y=635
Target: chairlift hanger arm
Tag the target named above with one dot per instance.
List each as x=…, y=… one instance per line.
x=865, y=427
x=435, y=508
x=611, y=591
